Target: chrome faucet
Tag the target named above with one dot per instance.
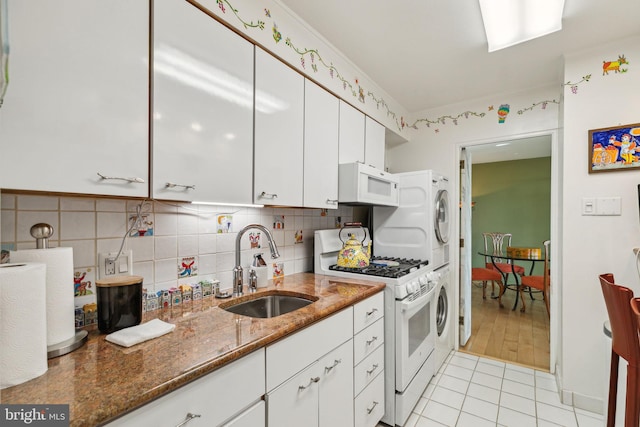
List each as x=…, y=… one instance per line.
x=237, y=270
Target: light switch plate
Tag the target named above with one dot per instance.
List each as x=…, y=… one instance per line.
x=588, y=206
x=108, y=266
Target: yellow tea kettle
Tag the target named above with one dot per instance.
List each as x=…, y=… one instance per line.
x=353, y=253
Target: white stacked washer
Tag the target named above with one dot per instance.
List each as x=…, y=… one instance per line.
x=419, y=228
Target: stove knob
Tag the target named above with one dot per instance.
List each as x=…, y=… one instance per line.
x=424, y=280
x=412, y=287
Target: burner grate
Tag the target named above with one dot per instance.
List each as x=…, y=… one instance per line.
x=404, y=266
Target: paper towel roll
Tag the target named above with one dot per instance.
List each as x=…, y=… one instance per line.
x=60, y=304
x=23, y=324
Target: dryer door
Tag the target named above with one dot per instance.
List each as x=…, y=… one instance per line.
x=441, y=216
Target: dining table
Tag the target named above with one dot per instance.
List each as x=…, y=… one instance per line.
x=512, y=259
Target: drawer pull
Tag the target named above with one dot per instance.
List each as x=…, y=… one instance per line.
x=371, y=341
x=188, y=418
x=311, y=381
x=373, y=310
x=335, y=363
x=332, y=201
x=185, y=186
x=117, y=178
x=373, y=368
x=372, y=408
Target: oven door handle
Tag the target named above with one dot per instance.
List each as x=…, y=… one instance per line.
x=416, y=304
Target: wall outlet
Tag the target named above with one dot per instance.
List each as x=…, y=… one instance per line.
x=109, y=266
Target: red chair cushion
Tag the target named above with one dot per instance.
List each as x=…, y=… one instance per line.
x=536, y=282
x=505, y=268
x=485, y=274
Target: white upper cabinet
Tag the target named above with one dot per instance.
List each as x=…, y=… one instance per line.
x=77, y=100
x=321, y=111
x=374, y=143
x=279, y=109
x=351, y=134
x=202, y=108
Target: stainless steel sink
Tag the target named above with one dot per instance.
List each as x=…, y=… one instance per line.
x=267, y=306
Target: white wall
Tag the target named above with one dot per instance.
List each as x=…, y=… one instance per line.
x=593, y=245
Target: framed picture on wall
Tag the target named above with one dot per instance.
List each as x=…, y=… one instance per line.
x=614, y=148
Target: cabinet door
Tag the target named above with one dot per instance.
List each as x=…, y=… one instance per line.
x=77, y=101
x=295, y=403
x=351, y=134
x=278, y=165
x=202, y=108
x=374, y=143
x=336, y=387
x=321, y=115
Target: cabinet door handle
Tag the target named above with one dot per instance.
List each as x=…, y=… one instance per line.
x=335, y=363
x=372, y=340
x=373, y=310
x=311, y=381
x=373, y=368
x=117, y=178
x=268, y=195
x=372, y=408
x=185, y=186
x=332, y=201
x=188, y=418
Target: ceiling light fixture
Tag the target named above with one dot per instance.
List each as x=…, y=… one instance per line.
x=509, y=22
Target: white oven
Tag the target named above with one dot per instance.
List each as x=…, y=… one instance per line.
x=415, y=334
x=409, y=324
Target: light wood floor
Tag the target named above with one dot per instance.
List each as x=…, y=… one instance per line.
x=507, y=335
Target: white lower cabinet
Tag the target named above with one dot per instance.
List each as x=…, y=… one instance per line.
x=369, y=405
x=295, y=403
x=336, y=385
x=368, y=371
x=210, y=400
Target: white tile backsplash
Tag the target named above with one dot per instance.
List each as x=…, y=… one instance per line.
x=98, y=225
x=77, y=204
x=207, y=243
x=77, y=225
x=111, y=224
x=37, y=203
x=187, y=245
x=111, y=205
x=166, y=247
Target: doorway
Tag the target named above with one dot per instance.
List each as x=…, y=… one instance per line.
x=503, y=188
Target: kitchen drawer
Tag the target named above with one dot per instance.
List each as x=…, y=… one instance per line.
x=291, y=355
x=246, y=376
x=369, y=405
x=368, y=369
x=367, y=341
x=366, y=312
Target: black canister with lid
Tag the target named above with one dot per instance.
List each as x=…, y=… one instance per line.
x=119, y=302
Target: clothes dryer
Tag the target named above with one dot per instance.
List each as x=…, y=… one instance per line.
x=444, y=314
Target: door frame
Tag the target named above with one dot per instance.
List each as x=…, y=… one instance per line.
x=555, y=224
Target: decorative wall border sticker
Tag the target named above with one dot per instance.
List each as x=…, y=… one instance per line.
x=314, y=58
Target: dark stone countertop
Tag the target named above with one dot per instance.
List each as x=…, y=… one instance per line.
x=101, y=381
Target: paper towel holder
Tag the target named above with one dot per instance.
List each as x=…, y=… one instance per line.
x=42, y=232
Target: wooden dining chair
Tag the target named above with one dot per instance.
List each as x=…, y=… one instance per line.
x=494, y=243
x=540, y=283
x=625, y=344
x=485, y=275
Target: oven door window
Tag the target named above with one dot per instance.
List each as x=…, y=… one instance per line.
x=415, y=336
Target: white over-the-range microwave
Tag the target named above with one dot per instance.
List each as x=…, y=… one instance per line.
x=359, y=183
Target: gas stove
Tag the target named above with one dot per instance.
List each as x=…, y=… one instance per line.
x=385, y=267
